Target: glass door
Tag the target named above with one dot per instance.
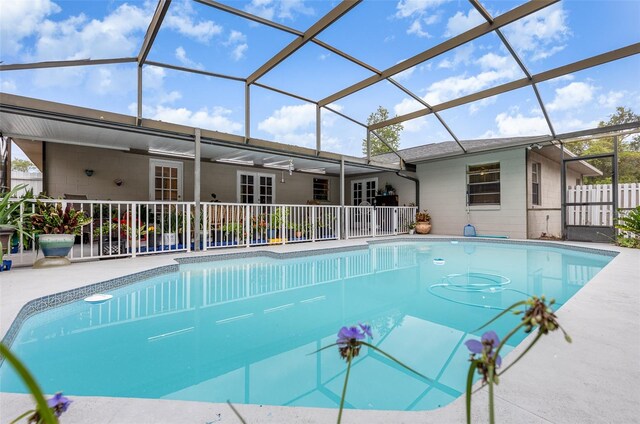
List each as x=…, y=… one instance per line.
x=165, y=180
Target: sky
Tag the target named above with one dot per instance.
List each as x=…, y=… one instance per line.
x=379, y=32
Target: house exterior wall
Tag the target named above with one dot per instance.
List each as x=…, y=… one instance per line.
x=443, y=186
x=546, y=218
x=65, y=165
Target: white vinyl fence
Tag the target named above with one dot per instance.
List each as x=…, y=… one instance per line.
x=599, y=215
x=372, y=221
x=121, y=229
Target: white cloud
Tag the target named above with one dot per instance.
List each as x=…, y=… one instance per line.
x=541, y=34
x=77, y=37
x=611, y=99
x=283, y=9
x=181, y=55
x=460, y=22
x=289, y=119
x=573, y=124
x=8, y=86
x=517, y=125
x=548, y=52
x=406, y=74
x=461, y=54
x=416, y=29
x=183, y=19
x=571, y=96
x=117, y=34
x=237, y=42
x=239, y=51
x=290, y=7
x=408, y=105
x=407, y=8
x=21, y=19
x=236, y=37
x=216, y=118
x=495, y=69
x=481, y=104
x=106, y=81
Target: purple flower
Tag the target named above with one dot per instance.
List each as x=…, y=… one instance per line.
x=487, y=345
x=366, y=329
x=347, y=334
x=59, y=404
x=349, y=339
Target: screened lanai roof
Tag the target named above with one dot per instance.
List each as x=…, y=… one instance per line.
x=310, y=73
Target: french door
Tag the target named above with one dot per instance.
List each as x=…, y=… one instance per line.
x=256, y=187
x=364, y=191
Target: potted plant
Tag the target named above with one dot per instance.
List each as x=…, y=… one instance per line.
x=172, y=228
x=56, y=229
x=412, y=228
x=9, y=223
x=389, y=189
x=423, y=222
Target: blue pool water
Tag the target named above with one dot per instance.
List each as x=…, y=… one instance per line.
x=246, y=330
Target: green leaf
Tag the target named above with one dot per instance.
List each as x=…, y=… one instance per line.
x=472, y=370
x=344, y=388
x=44, y=410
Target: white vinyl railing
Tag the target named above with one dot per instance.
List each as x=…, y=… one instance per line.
x=371, y=221
x=123, y=229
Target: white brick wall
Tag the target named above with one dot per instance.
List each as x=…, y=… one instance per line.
x=443, y=193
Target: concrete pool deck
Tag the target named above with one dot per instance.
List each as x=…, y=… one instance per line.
x=595, y=379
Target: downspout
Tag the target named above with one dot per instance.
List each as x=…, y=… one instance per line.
x=415, y=180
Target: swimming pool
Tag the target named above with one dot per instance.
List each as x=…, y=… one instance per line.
x=244, y=329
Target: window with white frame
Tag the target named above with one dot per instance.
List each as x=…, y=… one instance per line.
x=321, y=189
x=535, y=183
x=483, y=184
x=253, y=187
x=364, y=191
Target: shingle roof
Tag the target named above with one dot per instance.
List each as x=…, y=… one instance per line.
x=451, y=148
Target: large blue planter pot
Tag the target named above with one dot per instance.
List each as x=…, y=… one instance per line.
x=55, y=248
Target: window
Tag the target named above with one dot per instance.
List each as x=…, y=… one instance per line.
x=535, y=183
x=483, y=184
x=364, y=191
x=256, y=188
x=321, y=189
x=165, y=180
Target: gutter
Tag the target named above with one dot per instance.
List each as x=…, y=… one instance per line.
x=415, y=180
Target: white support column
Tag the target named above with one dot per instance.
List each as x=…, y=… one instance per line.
x=196, y=192
x=134, y=229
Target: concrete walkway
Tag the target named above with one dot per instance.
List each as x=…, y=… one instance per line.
x=593, y=380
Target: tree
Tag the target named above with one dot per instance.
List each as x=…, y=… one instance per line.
x=628, y=150
x=390, y=134
x=22, y=165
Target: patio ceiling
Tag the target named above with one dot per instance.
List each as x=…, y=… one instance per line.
x=218, y=145
x=31, y=119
